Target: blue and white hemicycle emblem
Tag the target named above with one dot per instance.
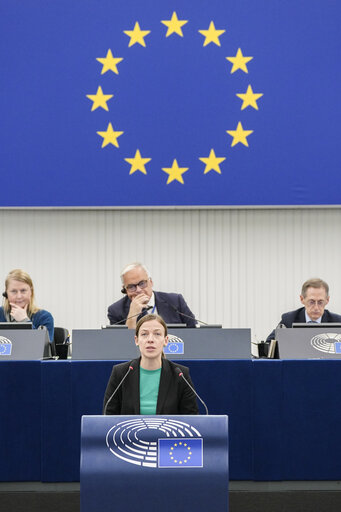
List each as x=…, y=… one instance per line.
x=156, y=442
x=5, y=346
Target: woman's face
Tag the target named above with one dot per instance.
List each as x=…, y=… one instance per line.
x=151, y=339
x=18, y=293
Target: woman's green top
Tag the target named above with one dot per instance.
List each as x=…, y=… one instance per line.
x=149, y=390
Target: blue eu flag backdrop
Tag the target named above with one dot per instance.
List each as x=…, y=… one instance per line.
x=141, y=102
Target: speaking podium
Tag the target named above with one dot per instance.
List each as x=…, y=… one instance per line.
x=144, y=463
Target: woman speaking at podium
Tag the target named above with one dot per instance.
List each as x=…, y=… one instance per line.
x=150, y=384
x=19, y=304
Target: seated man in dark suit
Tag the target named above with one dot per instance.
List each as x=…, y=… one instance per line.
x=138, y=287
x=314, y=297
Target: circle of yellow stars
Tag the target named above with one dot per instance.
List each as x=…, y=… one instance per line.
x=175, y=458
x=174, y=26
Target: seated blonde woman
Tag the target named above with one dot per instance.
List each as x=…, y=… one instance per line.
x=19, y=304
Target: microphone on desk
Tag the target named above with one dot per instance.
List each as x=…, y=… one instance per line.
x=131, y=368
x=147, y=308
x=181, y=375
x=183, y=314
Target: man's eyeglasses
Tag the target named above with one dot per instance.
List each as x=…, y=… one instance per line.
x=133, y=287
x=320, y=303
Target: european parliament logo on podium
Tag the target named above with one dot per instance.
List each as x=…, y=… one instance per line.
x=175, y=345
x=156, y=443
x=5, y=346
x=180, y=452
x=160, y=462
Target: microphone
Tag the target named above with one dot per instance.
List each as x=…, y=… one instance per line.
x=183, y=314
x=147, y=308
x=117, y=388
x=180, y=373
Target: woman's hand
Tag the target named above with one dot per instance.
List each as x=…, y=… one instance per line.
x=19, y=314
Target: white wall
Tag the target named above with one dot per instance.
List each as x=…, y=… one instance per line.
x=241, y=268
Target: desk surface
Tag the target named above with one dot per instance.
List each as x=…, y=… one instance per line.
x=284, y=416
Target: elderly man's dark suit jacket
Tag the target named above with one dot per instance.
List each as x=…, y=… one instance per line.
x=175, y=396
x=169, y=306
x=298, y=317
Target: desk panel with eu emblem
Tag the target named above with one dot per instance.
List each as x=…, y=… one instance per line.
x=310, y=342
x=24, y=345
x=154, y=463
x=119, y=345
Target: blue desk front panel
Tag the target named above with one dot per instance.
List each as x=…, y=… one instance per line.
x=20, y=425
x=311, y=420
x=284, y=416
x=77, y=389
x=60, y=459
x=267, y=420
x=296, y=418
x=226, y=387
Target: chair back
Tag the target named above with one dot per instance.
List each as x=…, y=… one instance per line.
x=61, y=342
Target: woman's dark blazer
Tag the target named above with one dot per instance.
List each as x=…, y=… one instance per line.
x=175, y=396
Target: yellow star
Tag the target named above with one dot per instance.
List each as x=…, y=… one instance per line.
x=174, y=25
x=99, y=99
x=110, y=136
x=137, y=35
x=212, y=162
x=239, y=135
x=211, y=35
x=249, y=98
x=175, y=173
x=137, y=163
x=239, y=61
x=109, y=63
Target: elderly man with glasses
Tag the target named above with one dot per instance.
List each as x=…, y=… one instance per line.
x=137, y=285
x=314, y=297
